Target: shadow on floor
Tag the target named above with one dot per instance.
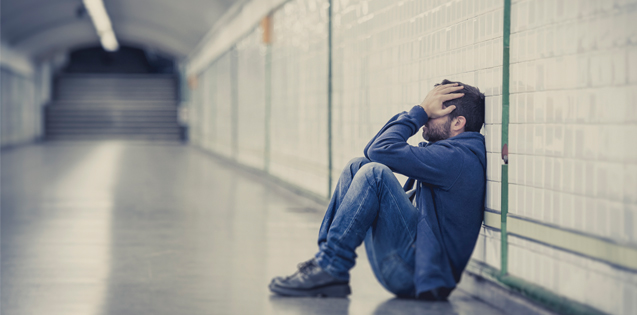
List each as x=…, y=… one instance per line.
x=310, y=306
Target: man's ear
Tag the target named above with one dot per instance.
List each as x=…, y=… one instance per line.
x=458, y=124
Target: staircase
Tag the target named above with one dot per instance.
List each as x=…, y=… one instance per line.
x=114, y=106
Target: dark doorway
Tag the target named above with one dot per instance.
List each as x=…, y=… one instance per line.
x=125, y=60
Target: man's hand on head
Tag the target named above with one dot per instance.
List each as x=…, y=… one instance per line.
x=441, y=93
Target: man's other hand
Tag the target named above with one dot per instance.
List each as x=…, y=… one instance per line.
x=441, y=93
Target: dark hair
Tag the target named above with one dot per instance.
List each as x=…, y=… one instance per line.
x=471, y=106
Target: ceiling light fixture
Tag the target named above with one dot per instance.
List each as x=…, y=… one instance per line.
x=102, y=24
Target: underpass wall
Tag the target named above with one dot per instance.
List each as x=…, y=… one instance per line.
x=251, y=87
x=573, y=159
x=305, y=105
x=299, y=104
x=24, y=89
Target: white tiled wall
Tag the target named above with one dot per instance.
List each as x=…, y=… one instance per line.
x=573, y=162
x=299, y=94
x=207, y=91
x=612, y=290
x=224, y=142
x=488, y=247
x=251, y=99
x=201, y=116
x=20, y=112
x=572, y=111
x=195, y=115
x=212, y=117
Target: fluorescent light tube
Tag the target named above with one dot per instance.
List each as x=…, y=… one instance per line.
x=102, y=24
x=109, y=42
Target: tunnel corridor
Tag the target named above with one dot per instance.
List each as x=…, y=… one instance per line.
x=171, y=157
x=120, y=228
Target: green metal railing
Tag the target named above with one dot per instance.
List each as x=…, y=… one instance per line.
x=504, y=201
x=330, y=32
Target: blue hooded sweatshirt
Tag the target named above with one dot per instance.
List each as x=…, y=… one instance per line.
x=450, y=178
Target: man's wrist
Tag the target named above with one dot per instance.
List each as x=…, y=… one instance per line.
x=419, y=113
x=423, y=108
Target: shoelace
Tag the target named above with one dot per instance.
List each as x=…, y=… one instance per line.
x=306, y=265
x=303, y=268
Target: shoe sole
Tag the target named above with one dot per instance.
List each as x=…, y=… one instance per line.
x=334, y=290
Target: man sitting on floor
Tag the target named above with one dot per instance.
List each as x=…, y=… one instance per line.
x=418, y=241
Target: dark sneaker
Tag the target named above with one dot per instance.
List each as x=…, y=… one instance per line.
x=310, y=280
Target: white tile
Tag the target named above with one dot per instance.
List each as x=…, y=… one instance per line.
x=593, y=216
x=590, y=178
x=551, y=214
x=539, y=212
x=630, y=223
x=579, y=141
x=530, y=172
x=615, y=173
x=560, y=215
x=538, y=139
x=632, y=64
x=569, y=141
x=568, y=209
x=629, y=183
x=617, y=219
x=520, y=168
x=579, y=213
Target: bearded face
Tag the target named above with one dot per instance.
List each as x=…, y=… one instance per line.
x=437, y=129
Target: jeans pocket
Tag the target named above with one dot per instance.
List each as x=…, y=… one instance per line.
x=398, y=276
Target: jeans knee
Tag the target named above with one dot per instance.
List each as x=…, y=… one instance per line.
x=355, y=164
x=358, y=161
x=373, y=168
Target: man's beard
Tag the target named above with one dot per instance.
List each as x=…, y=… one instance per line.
x=436, y=133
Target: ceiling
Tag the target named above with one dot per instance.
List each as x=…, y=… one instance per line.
x=40, y=28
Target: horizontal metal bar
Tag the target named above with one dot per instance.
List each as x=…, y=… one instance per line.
x=514, y=285
x=597, y=248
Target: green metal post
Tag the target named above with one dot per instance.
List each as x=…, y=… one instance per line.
x=504, y=201
x=329, y=100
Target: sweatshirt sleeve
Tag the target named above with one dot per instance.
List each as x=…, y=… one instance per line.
x=438, y=164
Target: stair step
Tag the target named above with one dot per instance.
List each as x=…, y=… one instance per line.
x=104, y=110
x=115, y=130
x=141, y=116
x=110, y=108
x=110, y=124
x=114, y=106
x=168, y=138
x=111, y=119
x=91, y=103
x=121, y=96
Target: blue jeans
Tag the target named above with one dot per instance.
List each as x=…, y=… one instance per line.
x=370, y=204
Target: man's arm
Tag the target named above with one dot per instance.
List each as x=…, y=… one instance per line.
x=433, y=164
x=379, y=133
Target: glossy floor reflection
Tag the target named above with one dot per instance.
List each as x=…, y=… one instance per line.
x=117, y=228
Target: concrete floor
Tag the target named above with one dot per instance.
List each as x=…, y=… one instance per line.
x=117, y=228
